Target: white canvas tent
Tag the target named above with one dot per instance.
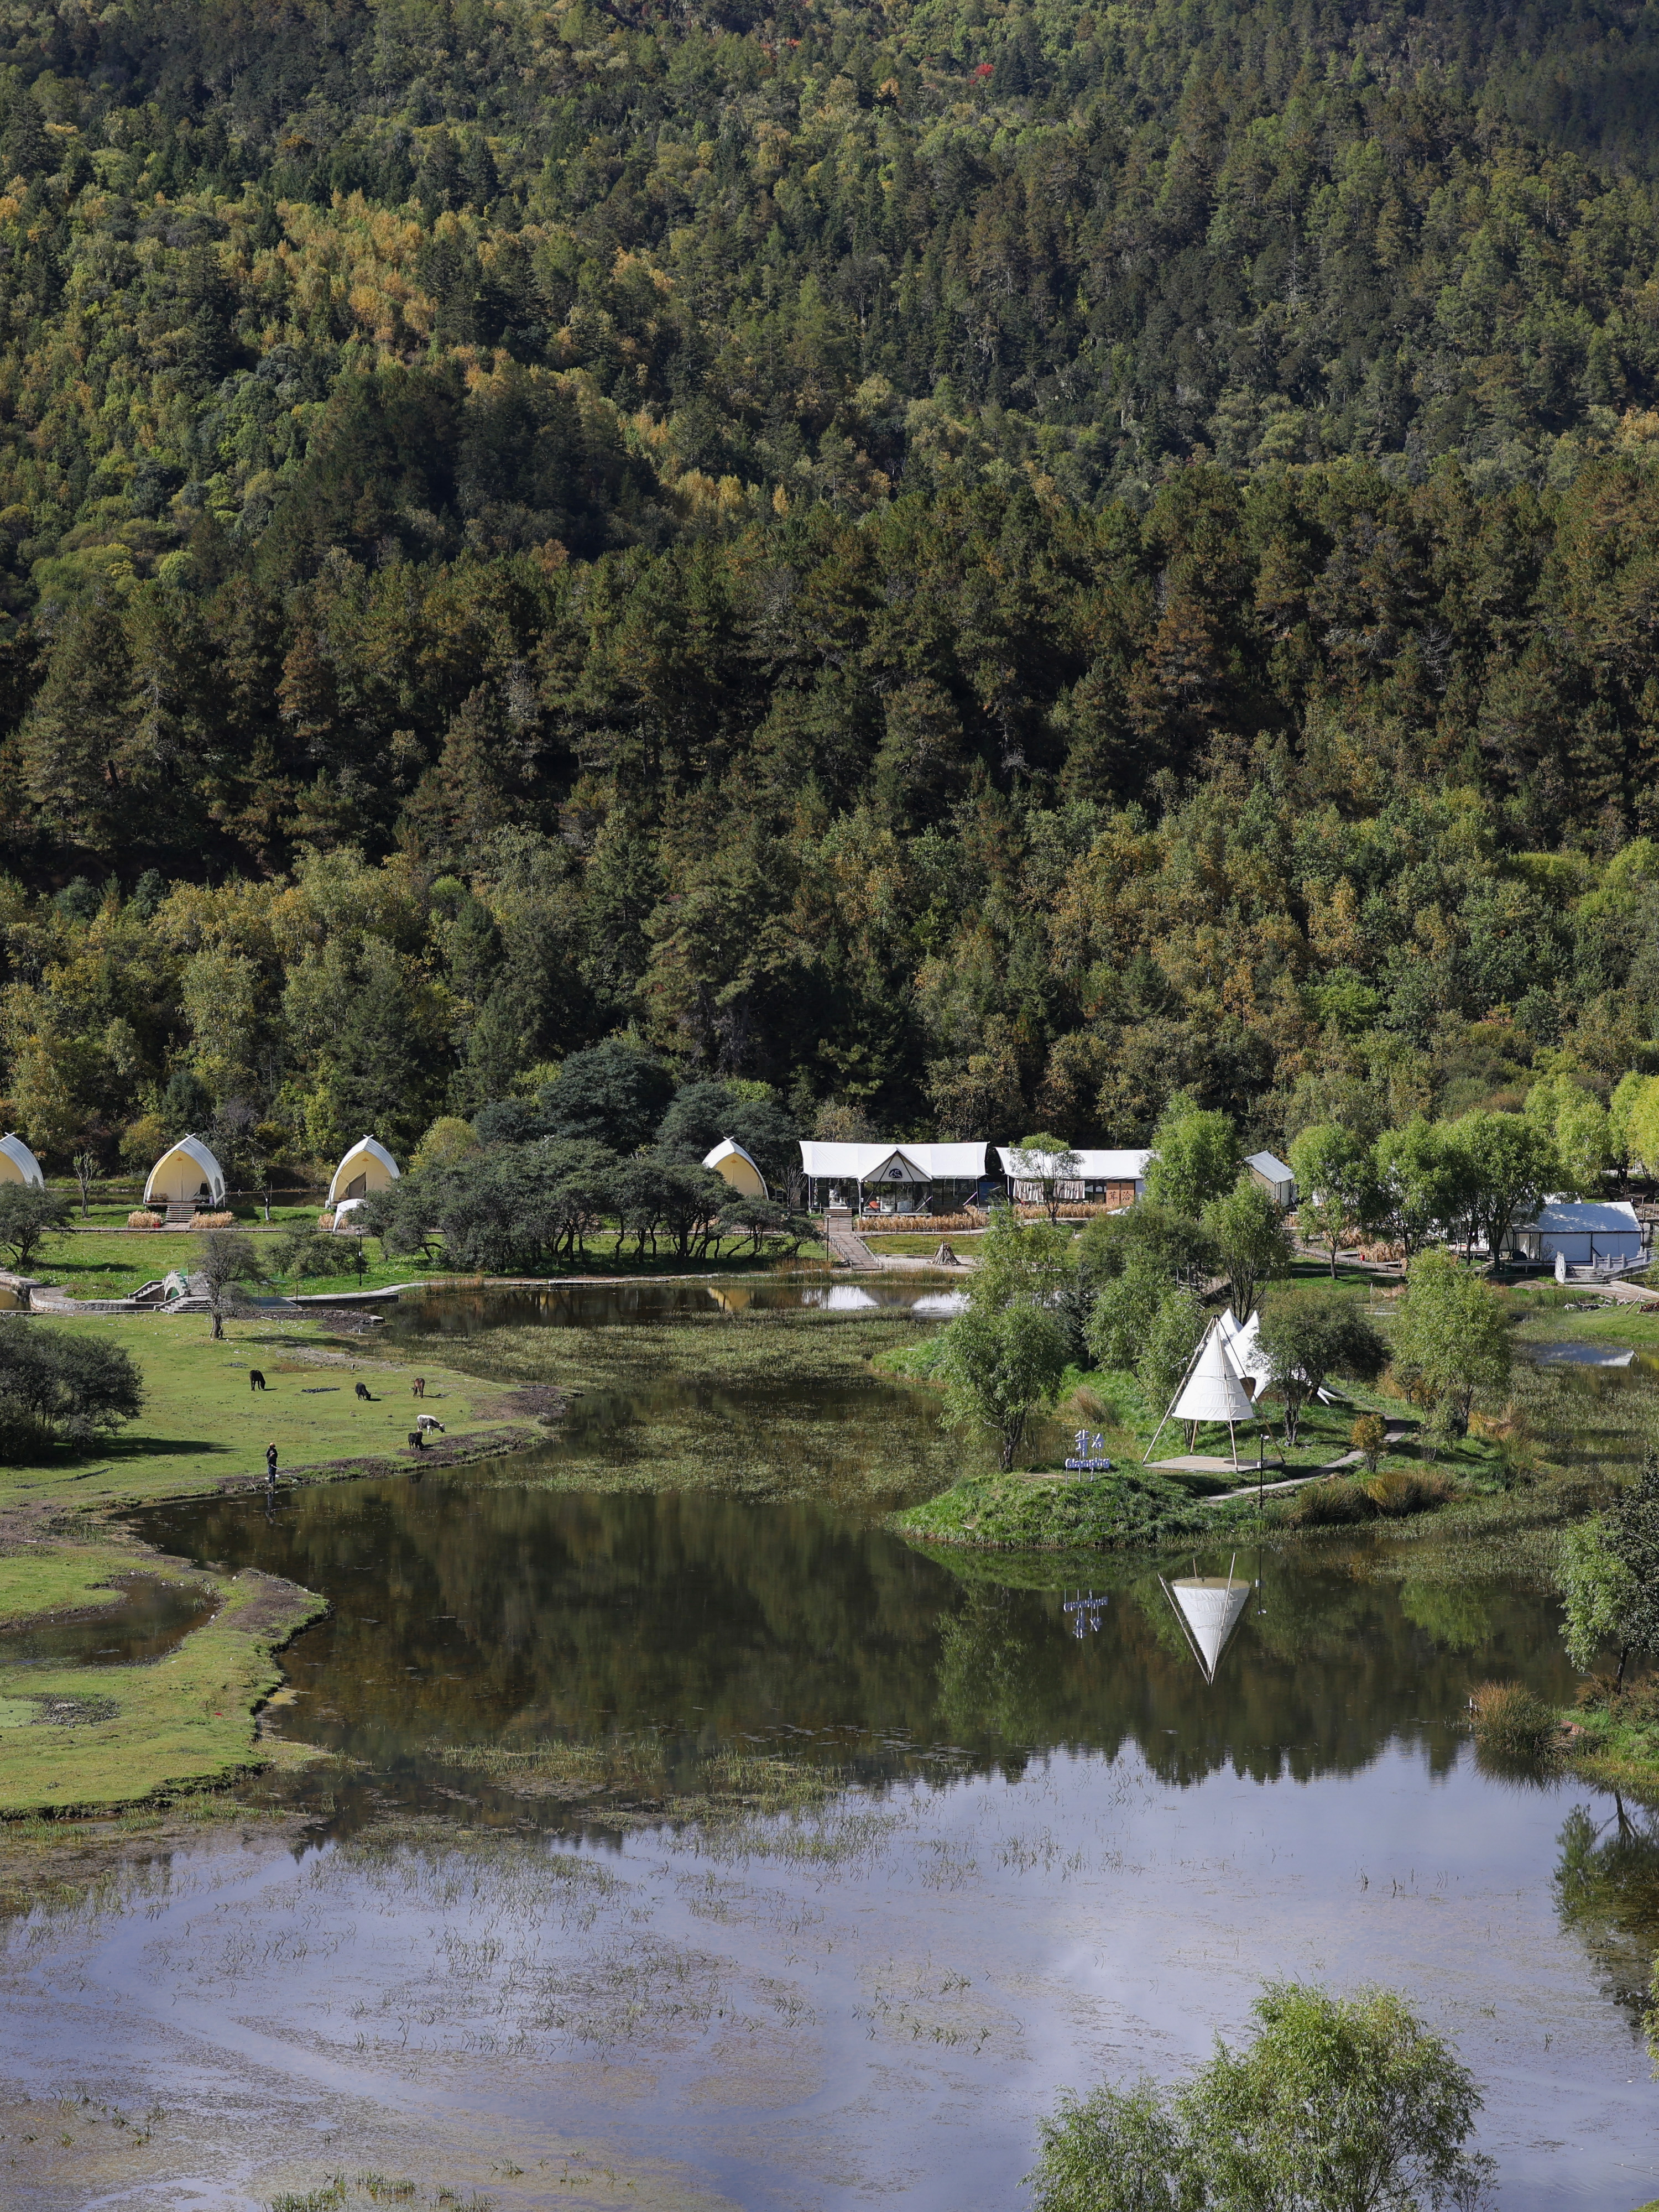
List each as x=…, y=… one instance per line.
x=367, y=1166
x=733, y=1165
x=1210, y=1389
x=187, y=1172
x=18, y=1165
x=1209, y=1609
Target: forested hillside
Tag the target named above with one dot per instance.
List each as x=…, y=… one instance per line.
x=974, y=564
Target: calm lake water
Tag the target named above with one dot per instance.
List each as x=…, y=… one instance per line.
x=1051, y=1851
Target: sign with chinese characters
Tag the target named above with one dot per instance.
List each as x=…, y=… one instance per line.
x=1089, y=1457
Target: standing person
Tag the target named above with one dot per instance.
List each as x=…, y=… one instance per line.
x=270, y=1465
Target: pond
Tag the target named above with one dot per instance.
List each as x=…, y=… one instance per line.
x=145, y=1619
x=746, y=1854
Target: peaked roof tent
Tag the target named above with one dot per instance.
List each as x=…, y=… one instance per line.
x=171, y=1177
x=18, y=1163
x=1209, y=1610
x=1096, y=1166
x=918, y=1162
x=733, y=1165
x=1210, y=1389
x=369, y=1159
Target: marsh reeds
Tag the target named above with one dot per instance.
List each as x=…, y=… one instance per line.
x=1512, y=1723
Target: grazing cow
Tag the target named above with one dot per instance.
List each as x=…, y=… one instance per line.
x=418, y=1388
x=363, y=1392
x=424, y=1421
x=417, y=1437
x=255, y=1380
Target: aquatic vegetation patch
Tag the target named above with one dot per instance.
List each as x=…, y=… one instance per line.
x=634, y=1779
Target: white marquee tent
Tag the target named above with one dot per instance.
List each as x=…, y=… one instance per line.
x=184, y=1174
x=367, y=1166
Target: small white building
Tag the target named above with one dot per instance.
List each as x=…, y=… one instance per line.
x=1275, y=1178
x=1097, y=1178
x=733, y=1165
x=888, y=1177
x=18, y=1165
x=185, y=1176
x=1582, y=1232
x=367, y=1166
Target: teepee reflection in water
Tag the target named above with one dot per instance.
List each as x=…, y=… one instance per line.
x=1209, y=1609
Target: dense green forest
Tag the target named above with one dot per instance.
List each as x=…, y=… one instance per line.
x=975, y=563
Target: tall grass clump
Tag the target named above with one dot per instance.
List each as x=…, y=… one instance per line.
x=1510, y=1722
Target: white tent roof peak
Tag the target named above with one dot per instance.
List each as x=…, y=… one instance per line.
x=28, y=1167
x=1243, y=1340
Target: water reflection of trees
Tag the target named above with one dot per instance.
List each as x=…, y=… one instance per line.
x=464, y=1612
x=1607, y=1892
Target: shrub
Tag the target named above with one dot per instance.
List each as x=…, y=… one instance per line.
x=1399, y=1493
x=1329, y=1503
x=449, y=1141
x=325, y=1221
x=143, y=1219
x=1368, y=1436
x=1510, y=1722
x=212, y=1220
x=53, y=1384
x=27, y=1218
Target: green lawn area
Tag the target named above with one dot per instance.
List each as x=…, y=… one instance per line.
x=202, y=1424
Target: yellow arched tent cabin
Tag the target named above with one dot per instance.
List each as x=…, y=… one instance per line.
x=183, y=1176
x=733, y=1165
x=18, y=1163
x=367, y=1166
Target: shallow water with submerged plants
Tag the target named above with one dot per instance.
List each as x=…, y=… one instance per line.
x=703, y=1834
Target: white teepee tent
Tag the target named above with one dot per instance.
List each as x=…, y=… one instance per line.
x=1244, y=1344
x=1210, y=1390
x=1208, y=1609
